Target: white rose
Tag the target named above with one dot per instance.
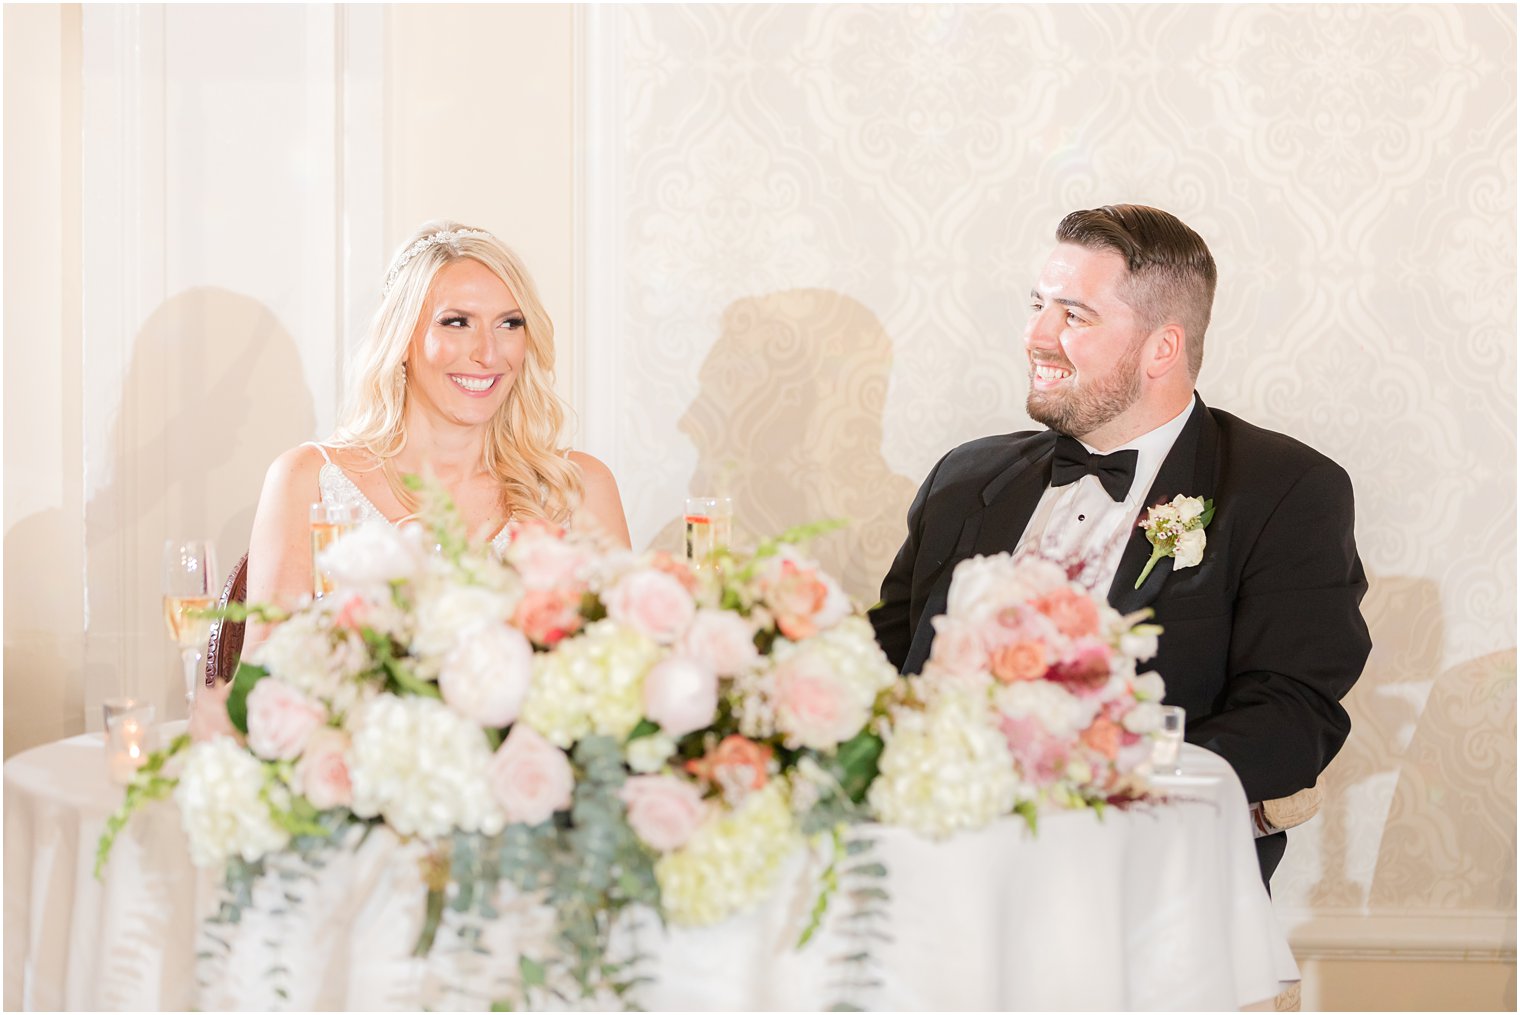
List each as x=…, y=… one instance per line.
x=375, y=553
x=1189, y=549
x=445, y=615
x=1188, y=508
x=486, y=677
x=681, y=695
x=1139, y=643
x=281, y=719
x=724, y=641
x=530, y=777
x=1150, y=687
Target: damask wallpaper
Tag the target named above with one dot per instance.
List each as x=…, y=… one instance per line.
x=826, y=220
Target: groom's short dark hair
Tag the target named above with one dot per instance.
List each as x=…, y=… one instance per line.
x=1171, y=272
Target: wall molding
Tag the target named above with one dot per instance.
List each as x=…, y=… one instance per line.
x=598, y=287
x=1470, y=935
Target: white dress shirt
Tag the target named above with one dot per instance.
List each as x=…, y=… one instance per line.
x=1081, y=522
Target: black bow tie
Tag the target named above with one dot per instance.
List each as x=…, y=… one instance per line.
x=1115, y=471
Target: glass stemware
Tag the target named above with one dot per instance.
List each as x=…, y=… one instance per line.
x=190, y=586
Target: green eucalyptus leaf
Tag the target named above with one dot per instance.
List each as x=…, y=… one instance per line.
x=237, y=700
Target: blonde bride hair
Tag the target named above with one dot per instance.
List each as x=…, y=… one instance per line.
x=522, y=450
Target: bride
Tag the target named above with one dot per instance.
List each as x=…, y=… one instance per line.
x=455, y=380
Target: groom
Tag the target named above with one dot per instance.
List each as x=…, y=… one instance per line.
x=1263, y=636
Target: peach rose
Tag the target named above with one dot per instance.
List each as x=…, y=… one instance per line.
x=724, y=641
x=1103, y=736
x=548, y=615
x=681, y=695
x=736, y=761
x=1074, y=614
x=676, y=568
x=530, y=777
x=281, y=719
x=1023, y=660
x=322, y=772
x=651, y=602
x=662, y=810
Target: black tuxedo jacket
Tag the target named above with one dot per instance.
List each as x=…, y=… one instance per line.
x=1261, y=639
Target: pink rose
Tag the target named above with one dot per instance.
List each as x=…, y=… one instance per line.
x=681, y=695
x=485, y=678
x=530, y=777
x=957, y=646
x=678, y=569
x=662, y=810
x=1074, y=613
x=322, y=772
x=352, y=613
x=1104, y=736
x=548, y=615
x=281, y=719
x=1041, y=756
x=813, y=707
x=544, y=558
x=803, y=598
x=652, y=602
x=724, y=641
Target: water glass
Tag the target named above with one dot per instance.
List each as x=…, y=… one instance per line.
x=1166, y=752
x=130, y=737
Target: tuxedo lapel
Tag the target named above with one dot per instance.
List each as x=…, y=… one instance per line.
x=1189, y=471
x=1009, y=500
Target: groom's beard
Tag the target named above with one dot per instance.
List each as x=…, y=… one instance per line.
x=1089, y=403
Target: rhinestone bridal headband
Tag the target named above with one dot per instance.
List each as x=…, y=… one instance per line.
x=443, y=236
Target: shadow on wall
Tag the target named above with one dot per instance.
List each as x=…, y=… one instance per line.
x=788, y=421
x=1446, y=841
x=1408, y=643
x=214, y=391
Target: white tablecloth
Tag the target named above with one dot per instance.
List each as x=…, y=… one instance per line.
x=1160, y=907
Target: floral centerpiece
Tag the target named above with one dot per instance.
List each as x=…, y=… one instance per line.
x=1031, y=698
x=601, y=730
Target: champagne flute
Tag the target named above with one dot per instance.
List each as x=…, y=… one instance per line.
x=709, y=528
x=329, y=523
x=190, y=585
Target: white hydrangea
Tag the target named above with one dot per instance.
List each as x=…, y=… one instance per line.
x=945, y=769
x=421, y=766
x=590, y=684
x=1059, y=712
x=312, y=656
x=731, y=861
x=219, y=804
x=445, y=613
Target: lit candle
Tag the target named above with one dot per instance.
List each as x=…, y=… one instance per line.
x=127, y=745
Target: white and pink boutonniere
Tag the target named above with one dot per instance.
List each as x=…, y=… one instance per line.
x=1176, y=530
